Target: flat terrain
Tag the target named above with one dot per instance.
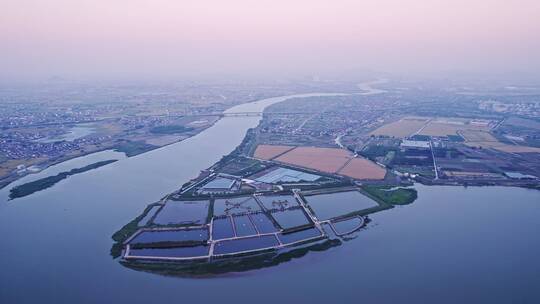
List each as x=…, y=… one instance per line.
x=503, y=147
x=268, y=152
x=474, y=136
x=444, y=127
x=402, y=128
x=361, y=168
x=476, y=133
x=329, y=160
x=486, y=140
x=408, y=126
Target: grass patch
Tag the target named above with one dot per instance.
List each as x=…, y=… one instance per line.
x=399, y=196
x=129, y=229
x=132, y=148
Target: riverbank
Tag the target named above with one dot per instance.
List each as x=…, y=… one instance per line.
x=418, y=244
x=47, y=182
x=128, y=147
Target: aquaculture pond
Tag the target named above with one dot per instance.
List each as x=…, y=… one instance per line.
x=243, y=225
x=171, y=236
x=146, y=219
x=284, y=175
x=263, y=223
x=237, y=205
x=177, y=252
x=245, y=244
x=290, y=218
x=222, y=228
x=452, y=245
x=299, y=235
x=348, y=225
x=183, y=212
x=277, y=201
x=327, y=206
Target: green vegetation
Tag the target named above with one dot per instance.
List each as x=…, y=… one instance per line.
x=297, y=228
x=132, y=148
x=236, y=153
x=397, y=196
x=170, y=129
x=49, y=181
x=373, y=151
x=242, y=166
x=245, y=263
x=129, y=229
x=421, y=137
x=455, y=138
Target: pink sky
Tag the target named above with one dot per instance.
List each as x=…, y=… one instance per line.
x=117, y=38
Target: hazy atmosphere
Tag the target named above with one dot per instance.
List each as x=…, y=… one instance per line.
x=299, y=151
x=159, y=39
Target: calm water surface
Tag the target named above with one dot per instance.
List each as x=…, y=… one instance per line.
x=75, y=132
x=452, y=244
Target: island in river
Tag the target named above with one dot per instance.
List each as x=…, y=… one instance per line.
x=47, y=182
x=268, y=200
x=252, y=211
x=450, y=241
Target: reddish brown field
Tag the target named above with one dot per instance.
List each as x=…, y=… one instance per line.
x=360, y=168
x=332, y=160
x=268, y=152
x=323, y=159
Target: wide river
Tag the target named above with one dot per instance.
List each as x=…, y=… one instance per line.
x=453, y=244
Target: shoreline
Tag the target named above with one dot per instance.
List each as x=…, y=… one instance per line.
x=9, y=179
x=5, y=182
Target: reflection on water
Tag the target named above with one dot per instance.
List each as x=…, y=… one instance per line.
x=231, y=266
x=453, y=244
x=75, y=132
x=66, y=166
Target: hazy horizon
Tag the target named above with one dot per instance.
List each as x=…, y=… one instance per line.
x=182, y=39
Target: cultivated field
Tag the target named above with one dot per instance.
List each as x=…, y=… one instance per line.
x=268, y=152
x=477, y=136
x=503, y=147
x=402, y=128
x=322, y=159
x=486, y=140
x=329, y=160
x=408, y=126
x=361, y=168
x=443, y=128
x=524, y=123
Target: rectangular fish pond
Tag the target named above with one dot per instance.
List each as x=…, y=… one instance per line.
x=278, y=202
x=298, y=236
x=291, y=218
x=263, y=223
x=177, y=252
x=332, y=205
x=243, y=225
x=183, y=212
x=222, y=228
x=177, y=235
x=238, y=246
x=237, y=205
